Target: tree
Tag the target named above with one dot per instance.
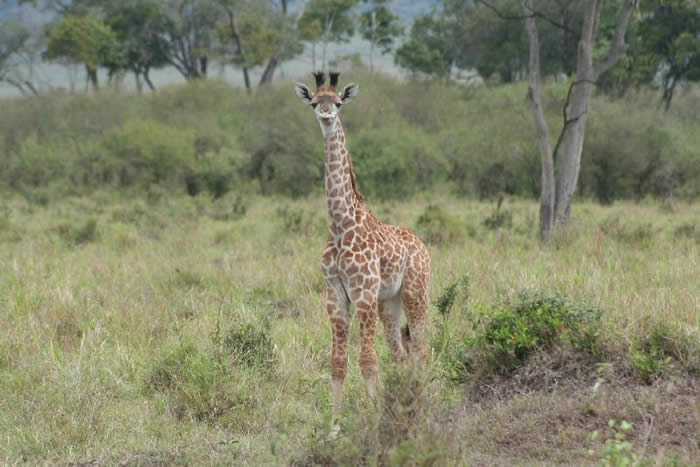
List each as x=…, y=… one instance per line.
x=328, y=21
x=140, y=29
x=288, y=43
x=670, y=38
x=13, y=38
x=557, y=193
x=380, y=27
x=82, y=39
x=430, y=48
x=190, y=35
x=250, y=34
x=467, y=34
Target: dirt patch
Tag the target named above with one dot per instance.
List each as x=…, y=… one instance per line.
x=546, y=410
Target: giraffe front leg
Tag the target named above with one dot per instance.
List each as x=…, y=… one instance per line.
x=367, y=308
x=337, y=307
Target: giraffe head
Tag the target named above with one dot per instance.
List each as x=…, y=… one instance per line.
x=326, y=101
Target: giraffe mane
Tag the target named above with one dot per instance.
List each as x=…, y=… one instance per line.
x=353, y=181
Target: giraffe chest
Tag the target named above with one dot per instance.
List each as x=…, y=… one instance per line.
x=364, y=263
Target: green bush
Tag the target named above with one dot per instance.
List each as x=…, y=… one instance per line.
x=144, y=152
x=507, y=335
x=195, y=383
x=499, y=219
x=250, y=346
x=436, y=227
x=404, y=137
x=688, y=230
x=217, y=173
x=78, y=235
x=396, y=162
x=656, y=353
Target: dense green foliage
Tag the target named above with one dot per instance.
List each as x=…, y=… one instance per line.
x=405, y=138
x=509, y=334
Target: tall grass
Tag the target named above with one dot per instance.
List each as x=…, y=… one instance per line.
x=174, y=334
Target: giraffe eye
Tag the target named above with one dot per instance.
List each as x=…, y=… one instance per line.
x=338, y=104
x=314, y=105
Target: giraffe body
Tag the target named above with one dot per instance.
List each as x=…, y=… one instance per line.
x=381, y=269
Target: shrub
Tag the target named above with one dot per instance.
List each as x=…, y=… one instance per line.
x=688, y=230
x=507, y=335
x=499, y=219
x=436, y=227
x=296, y=220
x=217, y=173
x=396, y=162
x=617, y=451
x=457, y=289
x=78, y=235
x=250, y=346
x=654, y=354
x=194, y=382
x=144, y=152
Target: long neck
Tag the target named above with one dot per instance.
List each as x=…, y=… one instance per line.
x=342, y=197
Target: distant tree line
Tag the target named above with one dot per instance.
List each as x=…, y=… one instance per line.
x=663, y=42
x=138, y=36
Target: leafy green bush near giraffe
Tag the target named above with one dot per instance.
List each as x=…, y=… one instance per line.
x=405, y=138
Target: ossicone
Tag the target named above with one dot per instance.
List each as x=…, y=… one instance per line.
x=334, y=78
x=320, y=78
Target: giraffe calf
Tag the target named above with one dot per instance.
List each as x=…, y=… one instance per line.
x=381, y=269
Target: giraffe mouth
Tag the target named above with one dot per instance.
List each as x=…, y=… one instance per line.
x=326, y=120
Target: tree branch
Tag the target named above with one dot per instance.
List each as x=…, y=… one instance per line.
x=618, y=46
x=569, y=121
x=535, y=14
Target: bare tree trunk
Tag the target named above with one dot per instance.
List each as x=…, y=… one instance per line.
x=547, y=190
x=92, y=77
x=239, y=47
x=373, y=40
x=326, y=40
x=139, y=86
x=558, y=187
x=22, y=86
x=289, y=38
x=147, y=79
x=569, y=151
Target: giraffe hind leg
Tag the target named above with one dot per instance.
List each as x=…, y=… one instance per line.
x=390, y=314
x=414, y=296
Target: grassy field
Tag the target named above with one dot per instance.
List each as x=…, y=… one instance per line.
x=185, y=330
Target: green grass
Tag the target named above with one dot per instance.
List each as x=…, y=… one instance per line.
x=191, y=330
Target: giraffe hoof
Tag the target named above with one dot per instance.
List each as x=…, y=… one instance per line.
x=335, y=431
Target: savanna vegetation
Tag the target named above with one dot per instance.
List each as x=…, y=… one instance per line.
x=162, y=301
x=171, y=329
x=406, y=138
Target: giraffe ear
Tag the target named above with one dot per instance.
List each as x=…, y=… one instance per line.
x=349, y=92
x=303, y=92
